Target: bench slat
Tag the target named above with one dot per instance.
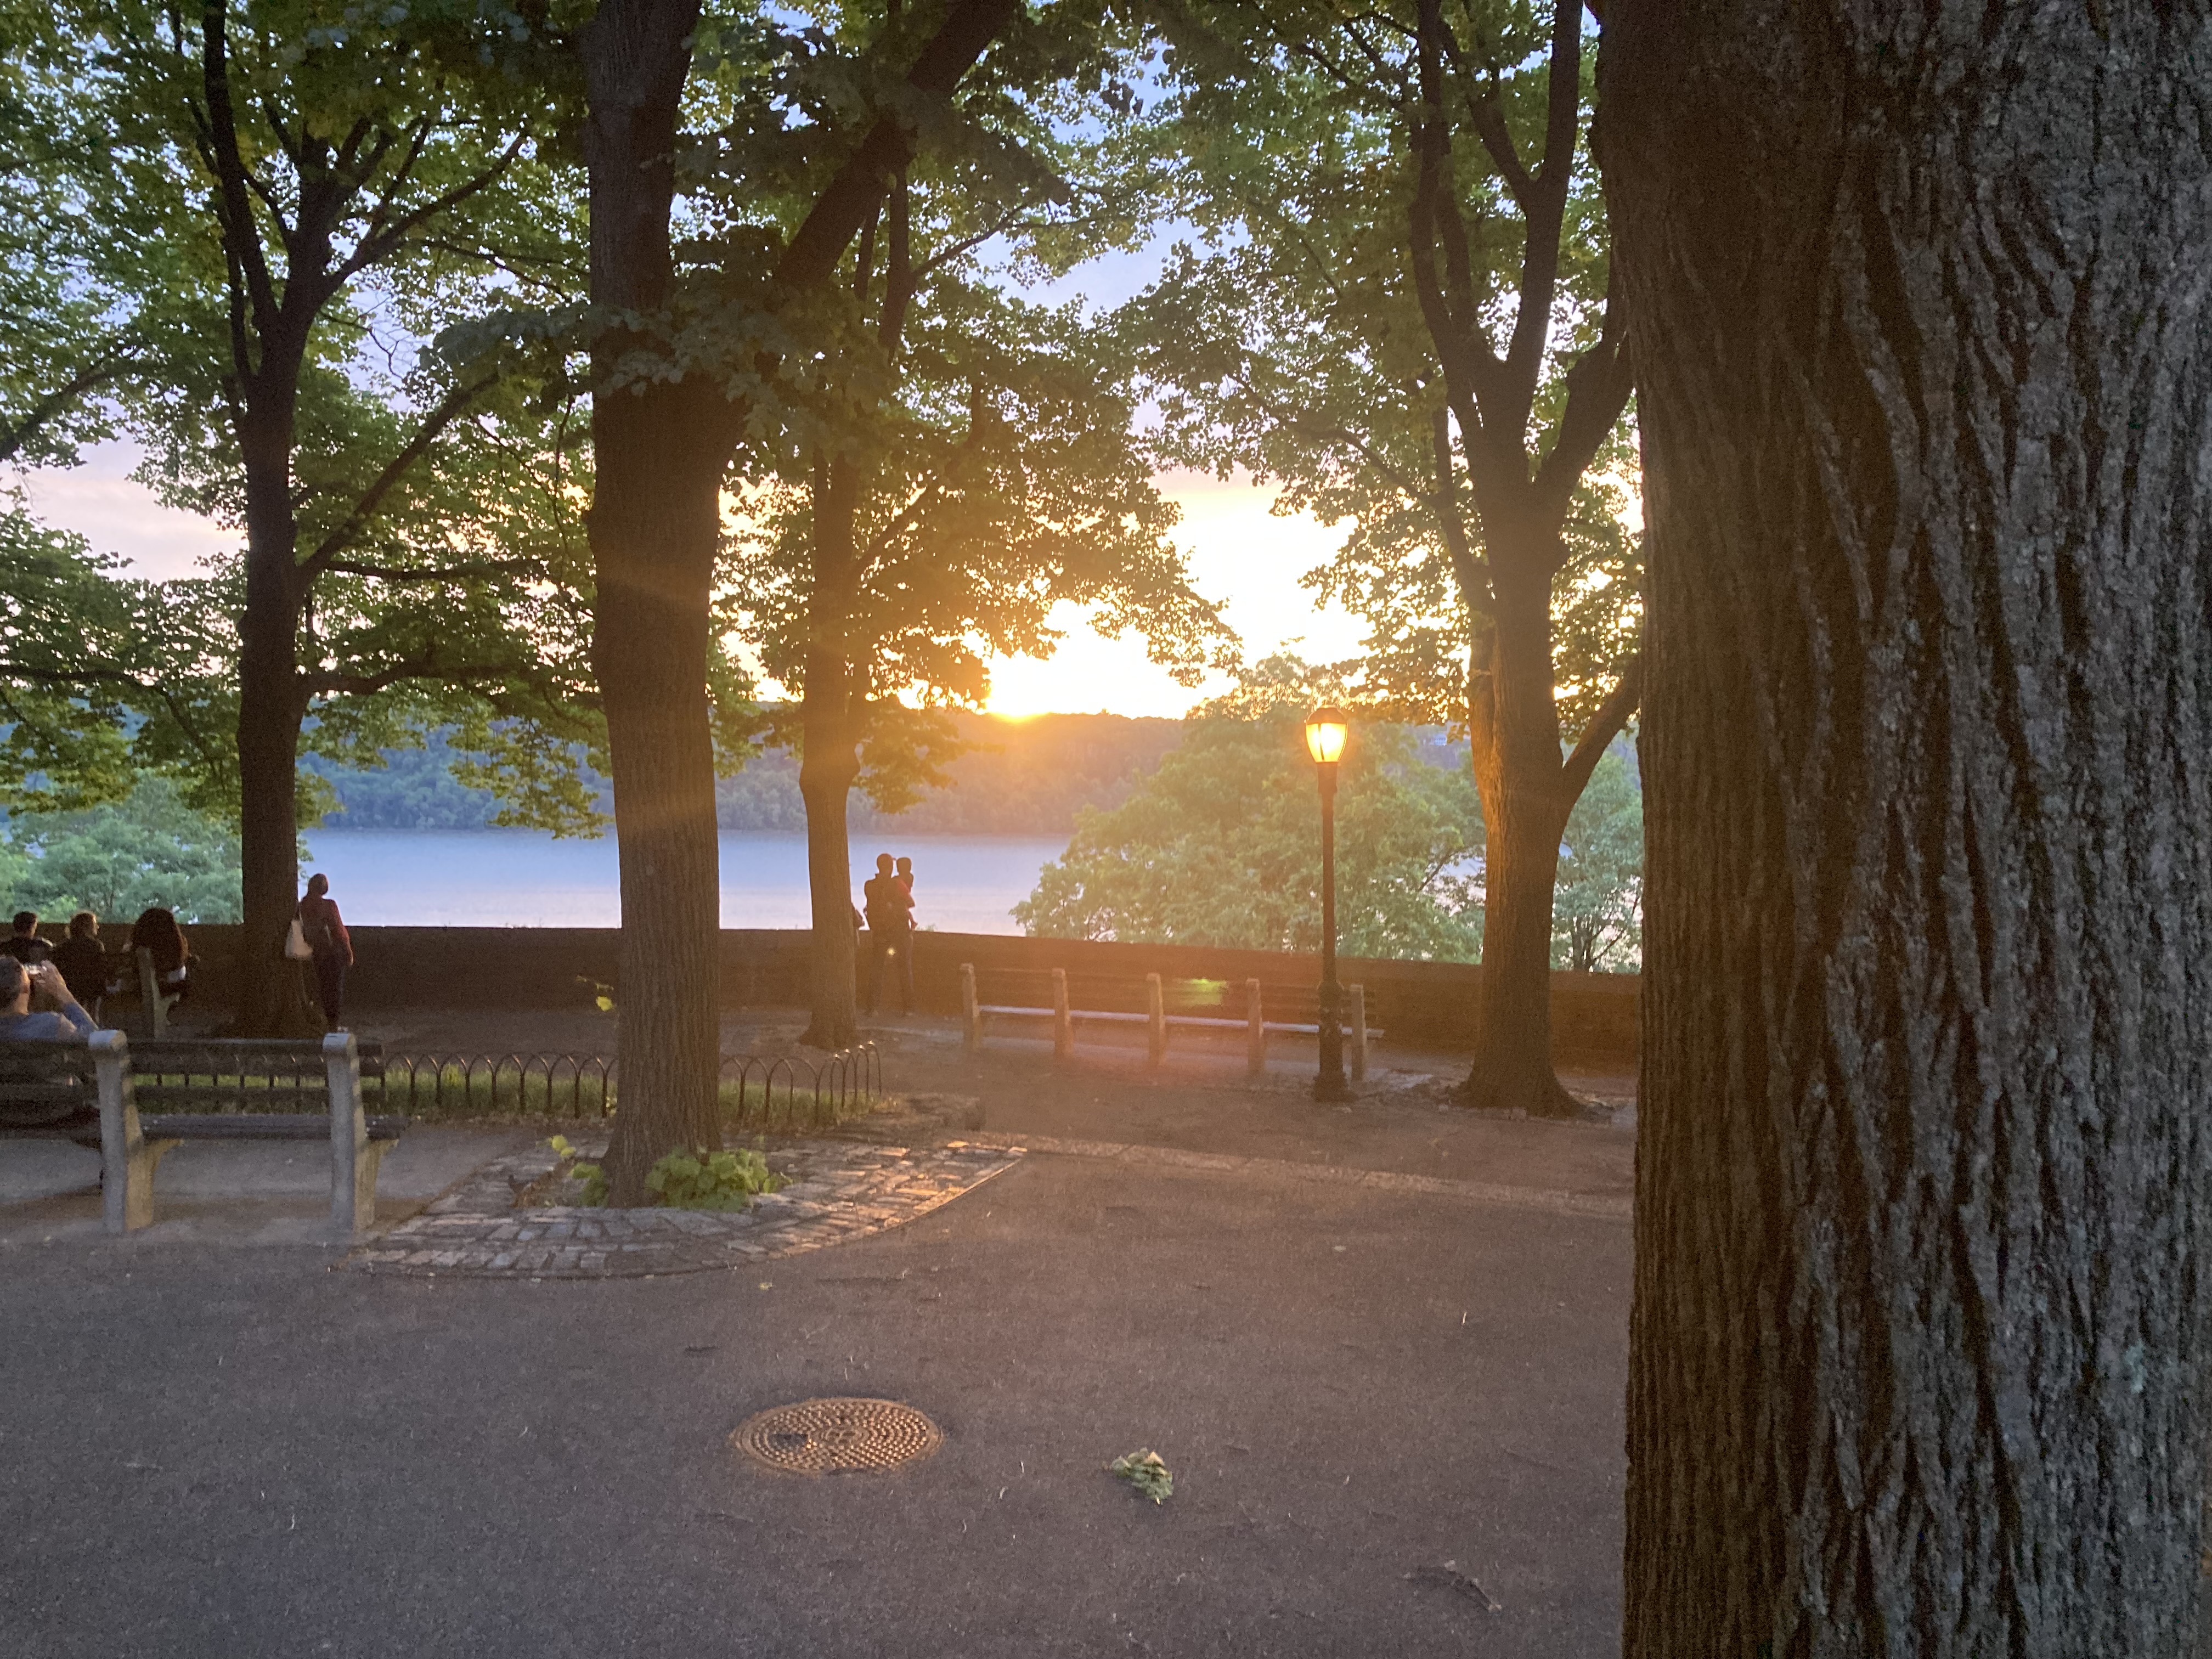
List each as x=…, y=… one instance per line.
x=256, y=1126
x=1206, y=1022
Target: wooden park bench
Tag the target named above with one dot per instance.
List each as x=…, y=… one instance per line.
x=1158, y=1022
x=165, y=1079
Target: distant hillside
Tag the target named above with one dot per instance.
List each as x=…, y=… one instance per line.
x=1019, y=778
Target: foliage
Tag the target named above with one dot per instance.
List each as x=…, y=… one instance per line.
x=1290, y=339
x=1221, y=845
x=592, y=1175
x=116, y=860
x=1147, y=1472
x=263, y=268
x=1597, y=910
x=959, y=466
x=711, y=1181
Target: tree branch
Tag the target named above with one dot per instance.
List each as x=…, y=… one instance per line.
x=372, y=500
x=1472, y=573
x=851, y=198
x=378, y=241
x=1604, y=726
x=457, y=573
x=242, y=243
x=1546, y=211
x=14, y=436
x=1598, y=387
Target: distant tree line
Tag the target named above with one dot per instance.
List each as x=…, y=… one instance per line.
x=1010, y=777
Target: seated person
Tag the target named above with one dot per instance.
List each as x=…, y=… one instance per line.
x=83, y=962
x=156, y=931
x=24, y=944
x=58, y=1018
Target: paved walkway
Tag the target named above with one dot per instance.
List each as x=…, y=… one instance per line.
x=231, y=1452
x=839, y=1191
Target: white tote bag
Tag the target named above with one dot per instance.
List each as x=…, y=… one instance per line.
x=296, y=948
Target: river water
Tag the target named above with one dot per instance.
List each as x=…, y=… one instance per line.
x=521, y=878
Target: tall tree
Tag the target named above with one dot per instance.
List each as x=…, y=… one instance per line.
x=677, y=374
x=1405, y=314
x=244, y=193
x=969, y=465
x=1924, y=370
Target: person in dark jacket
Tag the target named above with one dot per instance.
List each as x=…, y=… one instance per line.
x=324, y=931
x=24, y=944
x=891, y=930
x=83, y=962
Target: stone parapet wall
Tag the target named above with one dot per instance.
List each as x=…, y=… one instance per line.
x=1427, y=1004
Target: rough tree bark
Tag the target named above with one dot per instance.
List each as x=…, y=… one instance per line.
x=829, y=758
x=833, y=700
x=1924, y=373
x=661, y=448
x=1521, y=502
x=655, y=526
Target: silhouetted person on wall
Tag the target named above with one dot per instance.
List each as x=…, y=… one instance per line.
x=891, y=929
x=156, y=932
x=24, y=944
x=324, y=931
x=83, y=962
x=906, y=956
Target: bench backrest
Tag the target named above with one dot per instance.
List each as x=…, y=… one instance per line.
x=45, y=1081
x=1032, y=987
x=37, y=1079
x=254, y=1074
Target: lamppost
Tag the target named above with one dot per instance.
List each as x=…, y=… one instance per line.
x=1327, y=727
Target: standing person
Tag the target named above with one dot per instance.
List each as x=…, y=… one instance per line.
x=83, y=962
x=906, y=956
x=326, y=936
x=889, y=926
x=156, y=932
x=24, y=944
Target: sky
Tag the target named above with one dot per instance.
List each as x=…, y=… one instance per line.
x=1241, y=556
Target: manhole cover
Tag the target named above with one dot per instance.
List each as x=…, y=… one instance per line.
x=837, y=1436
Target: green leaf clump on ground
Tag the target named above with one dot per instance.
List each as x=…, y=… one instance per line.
x=1147, y=1471
x=711, y=1181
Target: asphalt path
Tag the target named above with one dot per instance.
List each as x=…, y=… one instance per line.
x=217, y=1450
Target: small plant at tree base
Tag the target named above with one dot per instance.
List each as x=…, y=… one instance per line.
x=711, y=1181
x=594, y=1177
x=1148, y=1472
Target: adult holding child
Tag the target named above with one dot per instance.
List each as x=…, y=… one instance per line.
x=891, y=929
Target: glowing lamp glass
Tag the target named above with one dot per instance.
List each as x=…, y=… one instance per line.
x=1326, y=731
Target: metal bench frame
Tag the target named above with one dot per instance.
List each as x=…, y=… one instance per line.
x=129, y=1156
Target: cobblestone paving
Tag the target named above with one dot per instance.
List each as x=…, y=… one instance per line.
x=839, y=1190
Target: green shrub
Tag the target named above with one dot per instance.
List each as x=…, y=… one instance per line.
x=711, y=1181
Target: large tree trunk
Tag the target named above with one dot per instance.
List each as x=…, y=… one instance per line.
x=655, y=524
x=655, y=529
x=271, y=705
x=1923, y=366
x=829, y=756
x=1519, y=774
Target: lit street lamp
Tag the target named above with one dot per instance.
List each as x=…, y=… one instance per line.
x=1327, y=727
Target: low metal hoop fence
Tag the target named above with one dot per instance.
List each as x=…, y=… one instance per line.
x=758, y=1091
x=790, y=1092
x=571, y=1086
